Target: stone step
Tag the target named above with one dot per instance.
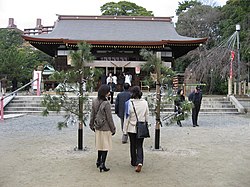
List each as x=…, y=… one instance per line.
x=14, y=105
x=26, y=101
x=32, y=104
x=216, y=102
x=25, y=108
x=40, y=108
x=28, y=98
x=31, y=112
x=218, y=110
x=217, y=106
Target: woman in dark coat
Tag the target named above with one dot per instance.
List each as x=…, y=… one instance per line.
x=178, y=106
x=101, y=122
x=112, y=88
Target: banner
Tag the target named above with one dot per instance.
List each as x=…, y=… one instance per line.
x=36, y=74
x=137, y=69
x=231, y=64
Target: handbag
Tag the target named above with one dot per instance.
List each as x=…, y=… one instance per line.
x=99, y=119
x=142, y=130
x=124, y=138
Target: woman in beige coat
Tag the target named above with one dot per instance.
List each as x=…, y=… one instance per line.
x=101, y=122
x=141, y=107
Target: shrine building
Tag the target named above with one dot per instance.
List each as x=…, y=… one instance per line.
x=116, y=40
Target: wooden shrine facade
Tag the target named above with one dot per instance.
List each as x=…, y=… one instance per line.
x=116, y=40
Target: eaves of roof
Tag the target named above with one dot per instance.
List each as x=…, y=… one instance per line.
x=94, y=42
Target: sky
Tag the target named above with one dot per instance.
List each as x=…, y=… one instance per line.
x=26, y=12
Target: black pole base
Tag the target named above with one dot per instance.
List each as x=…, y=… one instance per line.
x=160, y=149
x=83, y=149
x=157, y=138
x=80, y=138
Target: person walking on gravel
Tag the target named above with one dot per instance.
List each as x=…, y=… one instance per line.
x=101, y=122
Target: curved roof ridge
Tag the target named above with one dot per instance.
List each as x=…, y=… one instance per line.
x=110, y=17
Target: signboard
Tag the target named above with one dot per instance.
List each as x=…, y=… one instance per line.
x=36, y=74
x=137, y=69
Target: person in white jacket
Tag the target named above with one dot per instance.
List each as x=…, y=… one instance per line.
x=141, y=107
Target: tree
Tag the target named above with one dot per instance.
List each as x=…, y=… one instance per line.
x=237, y=12
x=16, y=59
x=211, y=62
x=184, y=6
x=124, y=8
x=79, y=108
x=200, y=21
x=10, y=38
x=154, y=65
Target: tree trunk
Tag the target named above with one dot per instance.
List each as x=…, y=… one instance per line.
x=80, y=128
x=158, y=104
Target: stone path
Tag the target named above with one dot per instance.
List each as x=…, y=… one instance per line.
x=33, y=152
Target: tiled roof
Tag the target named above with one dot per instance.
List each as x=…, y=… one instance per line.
x=115, y=29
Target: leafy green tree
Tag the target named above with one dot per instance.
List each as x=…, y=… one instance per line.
x=10, y=38
x=237, y=12
x=185, y=5
x=200, y=21
x=210, y=63
x=16, y=59
x=124, y=8
x=72, y=80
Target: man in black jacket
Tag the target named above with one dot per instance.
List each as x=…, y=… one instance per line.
x=195, y=97
x=121, y=98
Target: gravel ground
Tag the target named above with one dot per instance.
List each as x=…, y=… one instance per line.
x=33, y=152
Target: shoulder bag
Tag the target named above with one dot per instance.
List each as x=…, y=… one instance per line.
x=99, y=118
x=141, y=127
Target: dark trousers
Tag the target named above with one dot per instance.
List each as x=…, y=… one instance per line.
x=111, y=97
x=122, y=121
x=136, y=149
x=195, y=112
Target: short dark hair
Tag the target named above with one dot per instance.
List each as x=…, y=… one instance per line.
x=126, y=86
x=136, y=92
x=103, y=91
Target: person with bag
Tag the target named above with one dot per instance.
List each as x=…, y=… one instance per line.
x=121, y=98
x=101, y=122
x=136, y=111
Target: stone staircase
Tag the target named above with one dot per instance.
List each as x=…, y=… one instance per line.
x=245, y=102
x=24, y=105
x=210, y=105
x=32, y=105
x=217, y=105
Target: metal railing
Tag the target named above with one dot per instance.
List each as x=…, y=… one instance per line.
x=13, y=94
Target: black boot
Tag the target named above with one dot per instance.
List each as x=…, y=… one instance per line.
x=99, y=158
x=102, y=166
x=98, y=164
